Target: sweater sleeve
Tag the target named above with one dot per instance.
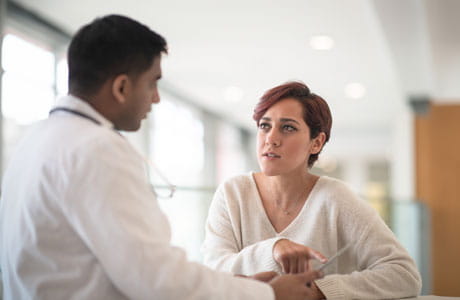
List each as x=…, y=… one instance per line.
x=384, y=268
x=223, y=248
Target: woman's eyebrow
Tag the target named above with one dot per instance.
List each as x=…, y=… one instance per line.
x=288, y=120
x=283, y=120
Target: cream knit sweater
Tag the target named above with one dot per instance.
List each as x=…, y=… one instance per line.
x=240, y=239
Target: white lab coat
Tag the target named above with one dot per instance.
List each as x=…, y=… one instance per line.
x=79, y=221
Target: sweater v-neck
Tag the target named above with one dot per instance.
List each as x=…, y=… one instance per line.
x=261, y=206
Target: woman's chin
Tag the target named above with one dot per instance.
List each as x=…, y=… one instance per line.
x=271, y=172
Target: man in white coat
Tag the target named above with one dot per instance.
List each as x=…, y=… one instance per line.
x=78, y=217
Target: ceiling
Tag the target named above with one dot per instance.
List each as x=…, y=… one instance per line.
x=395, y=48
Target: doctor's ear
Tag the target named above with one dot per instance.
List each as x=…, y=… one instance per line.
x=121, y=87
x=318, y=143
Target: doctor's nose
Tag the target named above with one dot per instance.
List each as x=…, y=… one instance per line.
x=156, y=97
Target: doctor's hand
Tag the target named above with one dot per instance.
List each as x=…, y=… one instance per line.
x=264, y=276
x=294, y=258
x=295, y=286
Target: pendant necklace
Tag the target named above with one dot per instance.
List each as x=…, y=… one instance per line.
x=288, y=212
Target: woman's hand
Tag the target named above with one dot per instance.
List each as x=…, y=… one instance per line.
x=294, y=258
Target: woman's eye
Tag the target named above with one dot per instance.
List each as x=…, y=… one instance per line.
x=264, y=125
x=289, y=128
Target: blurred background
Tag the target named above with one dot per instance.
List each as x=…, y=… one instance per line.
x=389, y=69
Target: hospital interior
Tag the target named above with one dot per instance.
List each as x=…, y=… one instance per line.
x=389, y=70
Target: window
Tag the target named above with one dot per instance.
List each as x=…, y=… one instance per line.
x=176, y=136
x=231, y=153
x=28, y=84
x=62, y=78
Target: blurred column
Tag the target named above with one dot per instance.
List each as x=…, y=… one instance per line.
x=210, y=163
x=2, y=32
x=402, y=158
x=248, y=143
x=355, y=174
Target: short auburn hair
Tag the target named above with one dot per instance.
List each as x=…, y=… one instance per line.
x=316, y=112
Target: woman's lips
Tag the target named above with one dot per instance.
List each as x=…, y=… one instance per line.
x=271, y=156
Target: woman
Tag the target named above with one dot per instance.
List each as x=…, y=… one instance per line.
x=273, y=219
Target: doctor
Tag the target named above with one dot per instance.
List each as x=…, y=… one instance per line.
x=78, y=218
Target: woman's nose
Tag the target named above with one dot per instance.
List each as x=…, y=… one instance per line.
x=273, y=139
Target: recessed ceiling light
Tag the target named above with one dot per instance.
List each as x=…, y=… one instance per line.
x=355, y=90
x=321, y=42
x=233, y=94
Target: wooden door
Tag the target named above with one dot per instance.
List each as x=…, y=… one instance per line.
x=437, y=152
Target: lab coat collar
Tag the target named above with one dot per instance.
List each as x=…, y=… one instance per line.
x=77, y=104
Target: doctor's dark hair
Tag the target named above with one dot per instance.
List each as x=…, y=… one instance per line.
x=316, y=112
x=107, y=47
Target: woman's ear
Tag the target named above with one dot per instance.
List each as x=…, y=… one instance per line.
x=318, y=143
x=121, y=86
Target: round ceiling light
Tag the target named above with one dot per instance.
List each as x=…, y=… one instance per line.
x=321, y=42
x=355, y=90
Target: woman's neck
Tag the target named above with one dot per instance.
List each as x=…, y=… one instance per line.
x=287, y=189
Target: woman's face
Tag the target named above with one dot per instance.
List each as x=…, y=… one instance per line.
x=283, y=140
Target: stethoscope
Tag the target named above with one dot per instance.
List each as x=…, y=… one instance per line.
x=171, y=187
x=75, y=112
